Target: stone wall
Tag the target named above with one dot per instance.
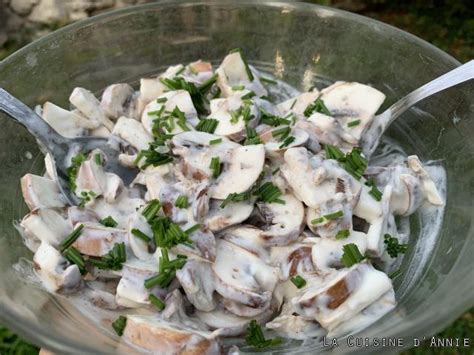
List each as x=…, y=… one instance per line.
x=24, y=20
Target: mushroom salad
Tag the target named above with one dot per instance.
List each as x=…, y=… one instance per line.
x=249, y=217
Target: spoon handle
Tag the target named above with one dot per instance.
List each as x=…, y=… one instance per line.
x=381, y=122
x=38, y=127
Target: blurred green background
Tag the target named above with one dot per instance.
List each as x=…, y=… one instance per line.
x=448, y=24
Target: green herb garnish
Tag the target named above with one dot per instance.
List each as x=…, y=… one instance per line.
x=215, y=166
x=298, y=281
x=343, y=234
x=353, y=123
x=317, y=106
x=181, y=201
x=269, y=193
x=98, y=159
x=71, y=238
x=74, y=256
x=268, y=80
x=281, y=133
x=108, y=222
x=152, y=157
x=252, y=136
x=287, y=142
x=151, y=209
x=353, y=162
x=155, y=301
x=351, y=255
x=167, y=270
x=393, y=247
x=273, y=120
x=113, y=260
x=161, y=100
x=238, y=87
x=235, y=197
x=85, y=197
x=208, y=125
x=328, y=217
x=395, y=274
x=73, y=169
x=168, y=234
x=256, y=338
x=119, y=325
x=140, y=235
x=374, y=191
x=215, y=141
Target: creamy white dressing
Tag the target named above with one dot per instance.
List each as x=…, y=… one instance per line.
x=243, y=256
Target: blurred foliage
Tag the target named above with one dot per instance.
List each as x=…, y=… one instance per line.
x=447, y=24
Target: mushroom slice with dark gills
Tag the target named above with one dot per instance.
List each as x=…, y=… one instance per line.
x=284, y=221
x=235, y=72
x=161, y=337
x=56, y=273
x=327, y=252
x=201, y=201
x=349, y=102
x=290, y=324
x=197, y=280
x=293, y=259
x=330, y=218
x=118, y=100
x=316, y=181
x=243, y=279
x=219, y=217
x=343, y=294
x=367, y=316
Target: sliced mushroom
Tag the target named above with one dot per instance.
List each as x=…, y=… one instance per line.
x=101, y=295
x=352, y=101
x=298, y=104
x=329, y=131
x=219, y=218
x=244, y=168
x=242, y=277
x=293, y=259
x=160, y=337
x=316, y=181
x=55, y=271
x=133, y=132
x=223, y=322
x=284, y=220
x=367, y=206
x=233, y=72
x=89, y=106
x=203, y=244
x=152, y=88
x=200, y=204
x=249, y=238
x=344, y=295
x=312, y=144
x=123, y=207
x=97, y=240
x=427, y=184
x=91, y=177
x=66, y=123
x=113, y=187
x=40, y=192
x=197, y=279
x=367, y=316
x=276, y=148
x=118, y=100
x=290, y=324
x=180, y=99
x=327, y=253
x=139, y=247
x=47, y=225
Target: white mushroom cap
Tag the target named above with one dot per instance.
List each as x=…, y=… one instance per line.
x=133, y=132
x=249, y=238
x=160, y=337
x=285, y=220
x=302, y=102
x=242, y=277
x=197, y=279
x=66, y=123
x=243, y=169
x=118, y=100
x=97, y=240
x=47, y=225
x=427, y=184
x=219, y=218
x=342, y=297
x=40, y=192
x=89, y=106
x=54, y=270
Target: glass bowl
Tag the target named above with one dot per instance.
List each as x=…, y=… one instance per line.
x=302, y=44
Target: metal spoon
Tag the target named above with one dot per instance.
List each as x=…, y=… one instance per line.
x=372, y=134
x=61, y=148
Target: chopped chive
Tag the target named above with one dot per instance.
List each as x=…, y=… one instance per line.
x=140, y=235
x=192, y=229
x=351, y=255
x=73, y=169
x=256, y=338
x=343, y=234
x=74, y=256
x=235, y=197
x=273, y=120
x=318, y=220
x=334, y=215
x=287, y=142
x=274, y=172
x=353, y=123
x=155, y=113
x=161, y=100
x=238, y=87
x=155, y=301
x=208, y=125
x=293, y=104
x=215, y=141
x=113, y=260
x=181, y=201
x=215, y=167
x=317, y=106
x=71, y=238
x=98, y=159
x=151, y=209
x=119, y=325
x=206, y=86
x=269, y=193
x=281, y=133
x=248, y=95
x=180, y=71
x=393, y=246
x=333, y=152
x=108, y=222
x=298, y=281
x=374, y=191
x=395, y=274
x=268, y=80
